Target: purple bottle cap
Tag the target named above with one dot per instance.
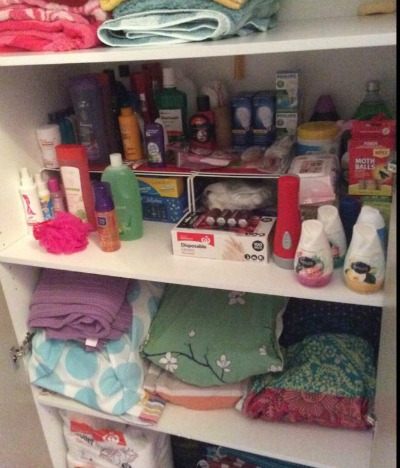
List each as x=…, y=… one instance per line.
x=325, y=104
x=103, y=197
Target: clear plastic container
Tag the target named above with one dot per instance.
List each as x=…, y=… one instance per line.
x=317, y=138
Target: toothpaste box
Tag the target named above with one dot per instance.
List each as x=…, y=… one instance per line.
x=193, y=237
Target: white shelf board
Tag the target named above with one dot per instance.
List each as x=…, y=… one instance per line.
x=151, y=258
x=307, y=444
x=303, y=35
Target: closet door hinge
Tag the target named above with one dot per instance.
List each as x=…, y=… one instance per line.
x=17, y=353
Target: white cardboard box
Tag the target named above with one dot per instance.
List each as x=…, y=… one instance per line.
x=191, y=237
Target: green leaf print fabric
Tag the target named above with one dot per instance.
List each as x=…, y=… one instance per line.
x=211, y=337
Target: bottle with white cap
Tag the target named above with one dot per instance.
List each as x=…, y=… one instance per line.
x=171, y=104
x=371, y=215
x=364, y=264
x=333, y=227
x=313, y=261
x=127, y=199
x=48, y=137
x=30, y=198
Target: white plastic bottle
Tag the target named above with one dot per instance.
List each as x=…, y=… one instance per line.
x=30, y=199
x=371, y=215
x=364, y=265
x=330, y=219
x=313, y=260
x=48, y=137
x=44, y=197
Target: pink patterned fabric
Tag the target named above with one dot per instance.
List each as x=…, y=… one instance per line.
x=277, y=404
x=37, y=25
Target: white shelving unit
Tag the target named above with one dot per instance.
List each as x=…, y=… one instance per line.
x=337, y=52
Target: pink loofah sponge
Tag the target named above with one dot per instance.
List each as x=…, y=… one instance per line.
x=65, y=234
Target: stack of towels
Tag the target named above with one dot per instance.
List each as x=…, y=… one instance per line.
x=56, y=26
x=88, y=333
x=87, y=308
x=160, y=22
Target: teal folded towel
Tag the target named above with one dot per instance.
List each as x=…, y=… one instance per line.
x=158, y=22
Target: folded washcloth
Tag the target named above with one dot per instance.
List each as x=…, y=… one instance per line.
x=38, y=25
x=155, y=22
x=79, y=306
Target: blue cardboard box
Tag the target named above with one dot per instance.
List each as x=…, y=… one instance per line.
x=158, y=207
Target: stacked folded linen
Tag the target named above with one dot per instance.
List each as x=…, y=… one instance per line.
x=82, y=307
x=38, y=25
x=155, y=22
x=111, y=379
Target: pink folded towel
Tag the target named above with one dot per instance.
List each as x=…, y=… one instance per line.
x=80, y=306
x=37, y=36
x=38, y=25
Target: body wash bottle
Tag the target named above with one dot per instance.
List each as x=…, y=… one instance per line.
x=127, y=199
x=75, y=176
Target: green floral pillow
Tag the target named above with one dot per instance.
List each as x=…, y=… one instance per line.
x=211, y=337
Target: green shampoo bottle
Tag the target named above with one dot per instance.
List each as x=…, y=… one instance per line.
x=126, y=194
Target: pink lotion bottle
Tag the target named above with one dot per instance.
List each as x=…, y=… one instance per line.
x=56, y=195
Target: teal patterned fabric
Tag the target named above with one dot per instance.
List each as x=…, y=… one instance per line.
x=330, y=364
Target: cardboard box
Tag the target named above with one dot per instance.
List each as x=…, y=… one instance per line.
x=163, y=209
x=241, y=115
x=370, y=147
x=368, y=167
x=263, y=118
x=288, y=92
x=164, y=199
x=172, y=187
x=192, y=237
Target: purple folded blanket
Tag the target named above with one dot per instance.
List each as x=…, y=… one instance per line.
x=80, y=306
